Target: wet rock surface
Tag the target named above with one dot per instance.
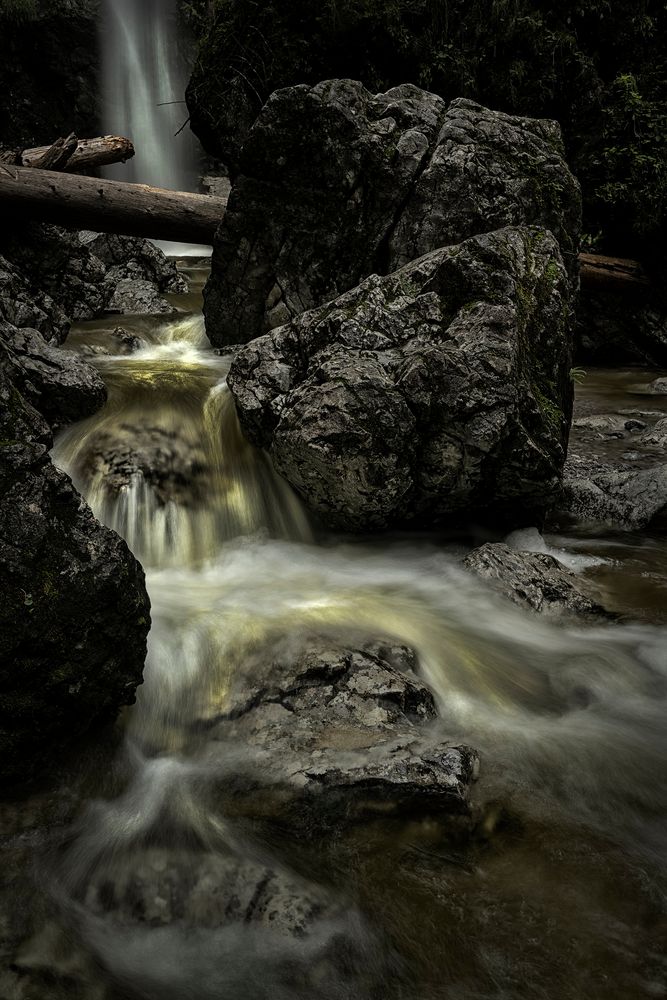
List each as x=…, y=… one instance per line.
x=615, y=473
x=533, y=580
x=50, y=277
x=21, y=305
x=135, y=297
x=337, y=183
x=488, y=170
x=618, y=496
x=75, y=614
x=57, y=383
x=175, y=466
x=439, y=390
x=333, y=733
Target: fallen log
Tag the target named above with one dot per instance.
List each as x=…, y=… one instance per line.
x=599, y=273
x=156, y=213
x=57, y=156
x=86, y=154
x=109, y=206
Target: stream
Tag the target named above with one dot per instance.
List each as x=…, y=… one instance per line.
x=557, y=891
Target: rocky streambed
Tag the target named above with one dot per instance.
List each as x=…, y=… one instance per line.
x=392, y=740
x=355, y=768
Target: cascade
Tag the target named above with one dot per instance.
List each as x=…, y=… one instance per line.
x=569, y=720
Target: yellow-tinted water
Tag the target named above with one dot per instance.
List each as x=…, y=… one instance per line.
x=565, y=868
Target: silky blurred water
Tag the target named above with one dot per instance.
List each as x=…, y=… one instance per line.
x=569, y=722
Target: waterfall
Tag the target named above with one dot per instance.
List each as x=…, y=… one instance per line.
x=144, y=75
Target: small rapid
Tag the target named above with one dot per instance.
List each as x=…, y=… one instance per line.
x=569, y=721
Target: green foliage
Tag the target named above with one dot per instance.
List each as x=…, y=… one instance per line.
x=197, y=15
x=598, y=66
x=631, y=165
x=577, y=375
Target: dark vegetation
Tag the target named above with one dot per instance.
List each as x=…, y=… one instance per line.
x=597, y=66
x=48, y=70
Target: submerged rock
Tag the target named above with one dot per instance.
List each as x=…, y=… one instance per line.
x=337, y=183
x=533, y=580
x=75, y=613
x=161, y=917
x=174, y=465
x=334, y=733
x=439, y=390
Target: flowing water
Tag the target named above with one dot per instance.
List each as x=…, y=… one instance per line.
x=145, y=70
x=558, y=891
x=144, y=76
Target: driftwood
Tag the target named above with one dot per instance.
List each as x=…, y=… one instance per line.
x=83, y=154
x=607, y=274
x=57, y=156
x=108, y=206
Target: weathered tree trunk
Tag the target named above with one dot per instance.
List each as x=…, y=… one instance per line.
x=611, y=273
x=85, y=155
x=109, y=206
x=57, y=156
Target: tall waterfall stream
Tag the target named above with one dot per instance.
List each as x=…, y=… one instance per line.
x=556, y=892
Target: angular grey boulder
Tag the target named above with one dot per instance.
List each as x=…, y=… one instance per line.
x=51, y=277
x=333, y=732
x=337, y=184
x=489, y=170
x=442, y=389
x=600, y=493
x=533, y=580
x=136, y=297
x=21, y=305
x=57, y=383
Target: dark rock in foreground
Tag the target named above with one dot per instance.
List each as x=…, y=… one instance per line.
x=333, y=733
x=164, y=918
x=337, y=184
x=75, y=613
x=533, y=580
x=440, y=390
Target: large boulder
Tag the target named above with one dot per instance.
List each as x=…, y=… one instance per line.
x=440, y=389
x=23, y=305
x=337, y=183
x=75, y=613
x=489, y=170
